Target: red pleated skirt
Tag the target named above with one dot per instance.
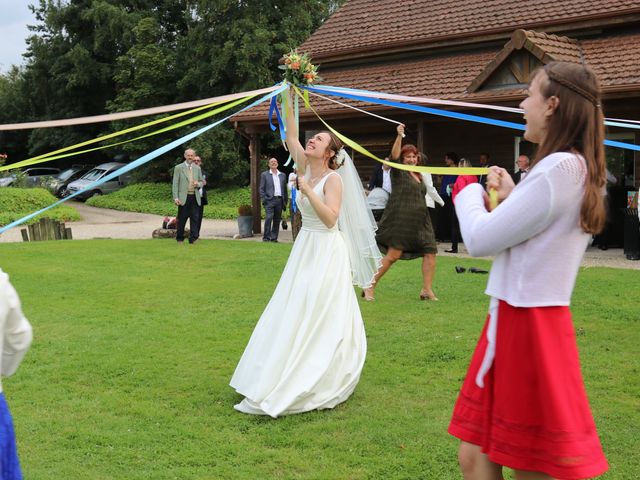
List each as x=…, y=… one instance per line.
x=533, y=413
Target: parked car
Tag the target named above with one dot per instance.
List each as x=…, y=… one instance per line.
x=34, y=176
x=58, y=185
x=96, y=174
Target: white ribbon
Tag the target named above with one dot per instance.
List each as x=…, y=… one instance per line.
x=490, y=352
x=133, y=113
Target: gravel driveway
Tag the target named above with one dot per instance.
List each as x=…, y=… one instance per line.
x=106, y=223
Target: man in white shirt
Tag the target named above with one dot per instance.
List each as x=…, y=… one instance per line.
x=381, y=178
x=273, y=192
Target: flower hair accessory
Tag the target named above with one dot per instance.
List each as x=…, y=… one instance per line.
x=298, y=69
x=340, y=157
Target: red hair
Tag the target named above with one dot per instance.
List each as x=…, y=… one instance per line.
x=407, y=149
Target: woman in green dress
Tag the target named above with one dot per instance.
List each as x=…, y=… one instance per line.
x=405, y=231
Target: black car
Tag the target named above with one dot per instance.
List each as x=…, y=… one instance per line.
x=58, y=186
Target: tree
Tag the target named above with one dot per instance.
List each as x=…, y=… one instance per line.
x=88, y=57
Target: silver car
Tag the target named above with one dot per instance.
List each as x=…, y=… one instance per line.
x=96, y=174
x=35, y=177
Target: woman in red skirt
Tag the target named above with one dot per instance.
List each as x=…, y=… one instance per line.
x=523, y=404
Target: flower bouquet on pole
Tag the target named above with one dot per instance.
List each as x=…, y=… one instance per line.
x=298, y=69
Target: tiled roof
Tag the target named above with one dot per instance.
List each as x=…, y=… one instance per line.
x=548, y=47
x=616, y=60
x=447, y=76
x=373, y=25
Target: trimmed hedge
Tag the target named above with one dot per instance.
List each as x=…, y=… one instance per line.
x=15, y=203
x=156, y=198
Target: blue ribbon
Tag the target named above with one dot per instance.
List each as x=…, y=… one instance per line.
x=294, y=193
x=450, y=114
x=274, y=108
x=141, y=161
x=611, y=123
x=418, y=108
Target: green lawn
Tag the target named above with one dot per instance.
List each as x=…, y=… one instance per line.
x=135, y=343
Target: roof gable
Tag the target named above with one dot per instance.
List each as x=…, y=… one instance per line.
x=526, y=51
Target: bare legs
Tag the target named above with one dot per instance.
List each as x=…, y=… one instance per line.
x=475, y=465
x=428, y=272
x=522, y=475
x=393, y=254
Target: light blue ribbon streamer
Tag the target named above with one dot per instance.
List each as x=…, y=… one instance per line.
x=141, y=161
x=418, y=108
x=610, y=123
x=450, y=114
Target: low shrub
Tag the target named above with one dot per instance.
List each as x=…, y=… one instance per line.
x=15, y=203
x=156, y=198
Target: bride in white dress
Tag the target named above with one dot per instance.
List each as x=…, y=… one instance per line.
x=308, y=348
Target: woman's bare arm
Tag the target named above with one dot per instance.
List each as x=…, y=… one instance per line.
x=397, y=145
x=293, y=142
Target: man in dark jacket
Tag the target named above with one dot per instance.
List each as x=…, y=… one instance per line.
x=273, y=192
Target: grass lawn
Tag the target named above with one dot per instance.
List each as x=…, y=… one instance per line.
x=135, y=343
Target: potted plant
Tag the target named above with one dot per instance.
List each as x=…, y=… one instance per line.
x=245, y=221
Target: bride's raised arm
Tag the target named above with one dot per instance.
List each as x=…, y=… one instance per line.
x=293, y=142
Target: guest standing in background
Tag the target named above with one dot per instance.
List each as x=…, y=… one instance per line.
x=273, y=192
x=461, y=182
x=203, y=196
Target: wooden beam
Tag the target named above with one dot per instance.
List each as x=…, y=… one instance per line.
x=420, y=139
x=254, y=150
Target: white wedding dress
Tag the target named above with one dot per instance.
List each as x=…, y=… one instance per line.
x=309, y=346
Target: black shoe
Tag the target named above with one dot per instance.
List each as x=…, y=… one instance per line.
x=477, y=270
x=452, y=251
x=460, y=269
x=265, y=240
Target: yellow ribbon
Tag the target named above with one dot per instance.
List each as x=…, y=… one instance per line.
x=51, y=155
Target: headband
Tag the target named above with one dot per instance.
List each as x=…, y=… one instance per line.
x=573, y=87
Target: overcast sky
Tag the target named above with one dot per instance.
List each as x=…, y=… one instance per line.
x=14, y=17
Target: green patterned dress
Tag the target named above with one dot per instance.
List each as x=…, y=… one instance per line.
x=406, y=223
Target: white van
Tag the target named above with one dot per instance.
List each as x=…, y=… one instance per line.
x=96, y=174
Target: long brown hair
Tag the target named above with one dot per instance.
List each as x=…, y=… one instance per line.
x=577, y=124
x=335, y=145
